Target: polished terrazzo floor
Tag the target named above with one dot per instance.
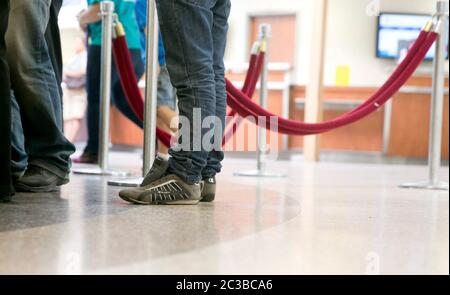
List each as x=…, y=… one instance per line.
x=326, y=218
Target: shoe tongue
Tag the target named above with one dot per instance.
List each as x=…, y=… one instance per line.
x=159, y=161
x=160, y=164
x=157, y=171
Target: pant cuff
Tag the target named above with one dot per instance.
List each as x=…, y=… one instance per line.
x=208, y=174
x=63, y=173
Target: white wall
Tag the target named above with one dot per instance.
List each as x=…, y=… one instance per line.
x=350, y=35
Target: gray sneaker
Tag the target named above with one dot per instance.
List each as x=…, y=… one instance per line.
x=157, y=171
x=168, y=190
x=209, y=189
x=39, y=180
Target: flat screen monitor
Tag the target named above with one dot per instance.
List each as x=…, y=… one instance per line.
x=396, y=33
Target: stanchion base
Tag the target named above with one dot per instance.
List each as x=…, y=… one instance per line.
x=440, y=186
x=128, y=182
x=257, y=173
x=99, y=171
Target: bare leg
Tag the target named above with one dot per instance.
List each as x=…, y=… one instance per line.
x=167, y=121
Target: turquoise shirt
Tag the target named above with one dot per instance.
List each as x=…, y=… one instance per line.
x=125, y=10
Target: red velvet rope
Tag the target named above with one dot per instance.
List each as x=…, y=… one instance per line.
x=129, y=84
x=246, y=107
x=253, y=74
x=296, y=130
x=248, y=79
x=241, y=103
x=399, y=69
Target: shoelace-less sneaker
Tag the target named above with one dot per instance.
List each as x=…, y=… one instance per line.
x=169, y=190
x=209, y=189
x=157, y=171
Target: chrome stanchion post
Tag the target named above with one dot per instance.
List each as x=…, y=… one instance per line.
x=107, y=9
x=264, y=37
x=151, y=88
x=437, y=105
x=387, y=125
x=107, y=14
x=265, y=32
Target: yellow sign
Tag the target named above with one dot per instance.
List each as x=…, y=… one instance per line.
x=343, y=76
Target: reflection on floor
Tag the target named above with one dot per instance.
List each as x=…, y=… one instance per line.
x=322, y=219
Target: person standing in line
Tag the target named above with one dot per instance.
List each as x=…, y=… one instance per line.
x=90, y=21
x=195, y=42
x=19, y=155
x=34, y=58
x=6, y=188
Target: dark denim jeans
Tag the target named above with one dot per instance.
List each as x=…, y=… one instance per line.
x=194, y=34
x=5, y=108
x=53, y=38
x=19, y=157
x=35, y=84
x=118, y=97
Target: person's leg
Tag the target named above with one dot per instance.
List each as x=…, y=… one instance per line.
x=166, y=115
x=6, y=188
x=119, y=98
x=19, y=157
x=36, y=87
x=53, y=38
x=220, y=30
x=186, y=27
x=93, y=99
x=166, y=96
x=166, y=120
x=162, y=150
x=216, y=156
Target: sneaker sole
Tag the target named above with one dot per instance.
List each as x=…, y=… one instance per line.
x=181, y=202
x=20, y=187
x=166, y=185
x=186, y=202
x=126, y=199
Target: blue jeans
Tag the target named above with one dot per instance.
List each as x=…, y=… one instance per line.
x=19, y=157
x=5, y=109
x=118, y=97
x=36, y=88
x=166, y=94
x=194, y=34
